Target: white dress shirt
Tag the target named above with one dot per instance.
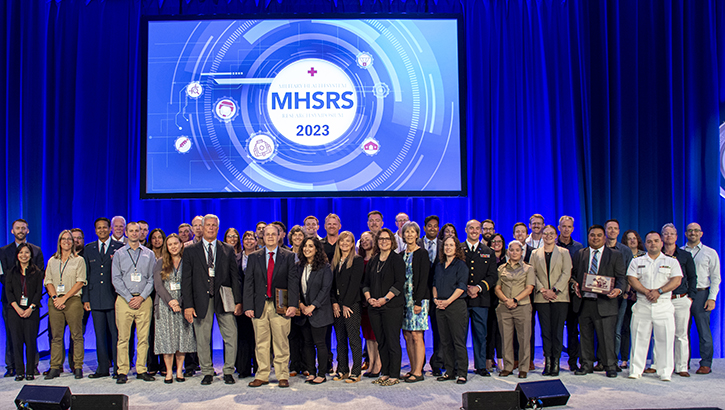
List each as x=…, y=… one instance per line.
x=707, y=266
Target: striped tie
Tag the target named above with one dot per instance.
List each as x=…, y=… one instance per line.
x=594, y=268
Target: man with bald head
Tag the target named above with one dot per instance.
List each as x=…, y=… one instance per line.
x=707, y=267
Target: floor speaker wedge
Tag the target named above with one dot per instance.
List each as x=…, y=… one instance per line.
x=547, y=392
x=491, y=400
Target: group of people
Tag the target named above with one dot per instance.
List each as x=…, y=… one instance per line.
x=280, y=302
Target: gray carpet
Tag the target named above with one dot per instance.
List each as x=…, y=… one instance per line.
x=591, y=391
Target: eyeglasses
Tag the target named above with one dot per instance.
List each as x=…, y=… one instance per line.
x=694, y=230
x=488, y=229
x=498, y=241
x=549, y=233
x=233, y=236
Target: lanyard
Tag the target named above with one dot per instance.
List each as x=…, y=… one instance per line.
x=22, y=283
x=135, y=263
x=61, y=267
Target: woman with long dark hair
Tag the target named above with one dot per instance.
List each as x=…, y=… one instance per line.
x=366, y=251
x=383, y=287
x=315, y=306
x=23, y=290
x=449, y=292
x=157, y=237
x=174, y=335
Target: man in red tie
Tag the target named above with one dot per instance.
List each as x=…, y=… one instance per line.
x=268, y=269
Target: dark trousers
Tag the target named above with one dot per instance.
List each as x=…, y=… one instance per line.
x=347, y=330
x=702, y=322
x=605, y=327
x=479, y=330
x=436, y=359
x=625, y=346
x=315, y=337
x=24, y=333
x=387, y=323
x=153, y=361
x=453, y=325
x=551, y=319
x=246, y=362
x=573, y=348
x=493, y=336
x=296, y=349
x=104, y=325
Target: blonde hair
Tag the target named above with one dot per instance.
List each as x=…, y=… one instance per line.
x=72, y=248
x=338, y=252
x=168, y=264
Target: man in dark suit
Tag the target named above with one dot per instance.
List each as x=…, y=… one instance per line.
x=210, y=265
x=268, y=269
x=483, y=275
x=7, y=257
x=521, y=232
x=430, y=243
x=99, y=296
x=597, y=312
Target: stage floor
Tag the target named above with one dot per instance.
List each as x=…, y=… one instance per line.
x=587, y=392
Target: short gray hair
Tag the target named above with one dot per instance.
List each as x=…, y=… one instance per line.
x=521, y=245
x=566, y=218
x=210, y=216
x=118, y=217
x=410, y=225
x=668, y=225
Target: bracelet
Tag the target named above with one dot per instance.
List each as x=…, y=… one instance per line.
x=386, y=299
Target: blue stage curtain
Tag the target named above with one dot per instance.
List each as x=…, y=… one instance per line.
x=594, y=109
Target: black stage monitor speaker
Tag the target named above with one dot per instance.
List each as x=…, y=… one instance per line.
x=547, y=392
x=491, y=400
x=43, y=398
x=100, y=401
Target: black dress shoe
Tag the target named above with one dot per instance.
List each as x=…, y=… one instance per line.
x=145, y=377
x=573, y=368
x=599, y=367
x=121, y=379
x=97, y=375
x=78, y=373
x=9, y=373
x=207, y=380
x=29, y=377
x=19, y=378
x=115, y=376
x=52, y=374
x=554, y=368
x=483, y=372
x=228, y=379
x=180, y=379
x=611, y=373
x=619, y=369
x=168, y=381
x=582, y=371
x=189, y=373
x=437, y=373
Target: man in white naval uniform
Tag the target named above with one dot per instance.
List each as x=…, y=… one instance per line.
x=653, y=276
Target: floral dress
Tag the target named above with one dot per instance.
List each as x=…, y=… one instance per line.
x=413, y=322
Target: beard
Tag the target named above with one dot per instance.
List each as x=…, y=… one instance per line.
x=487, y=237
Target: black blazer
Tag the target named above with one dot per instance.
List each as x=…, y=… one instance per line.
x=318, y=295
x=482, y=271
x=99, y=290
x=432, y=267
x=195, y=277
x=390, y=278
x=611, y=263
x=7, y=258
x=347, y=282
x=33, y=285
x=284, y=276
x=421, y=273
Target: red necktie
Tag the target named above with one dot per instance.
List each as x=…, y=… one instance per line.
x=270, y=269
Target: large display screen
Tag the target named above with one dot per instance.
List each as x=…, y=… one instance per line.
x=366, y=106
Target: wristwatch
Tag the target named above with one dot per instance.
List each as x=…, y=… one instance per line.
x=660, y=291
x=516, y=300
x=386, y=299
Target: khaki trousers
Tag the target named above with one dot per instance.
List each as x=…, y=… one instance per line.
x=125, y=317
x=518, y=318
x=73, y=315
x=272, y=329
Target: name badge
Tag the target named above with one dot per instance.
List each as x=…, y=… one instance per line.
x=175, y=286
x=60, y=289
x=135, y=277
x=23, y=301
x=211, y=272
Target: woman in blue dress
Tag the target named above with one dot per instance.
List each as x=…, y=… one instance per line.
x=417, y=266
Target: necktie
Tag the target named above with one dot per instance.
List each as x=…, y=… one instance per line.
x=210, y=262
x=270, y=269
x=103, y=249
x=431, y=251
x=594, y=268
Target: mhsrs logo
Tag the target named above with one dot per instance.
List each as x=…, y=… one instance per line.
x=312, y=102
